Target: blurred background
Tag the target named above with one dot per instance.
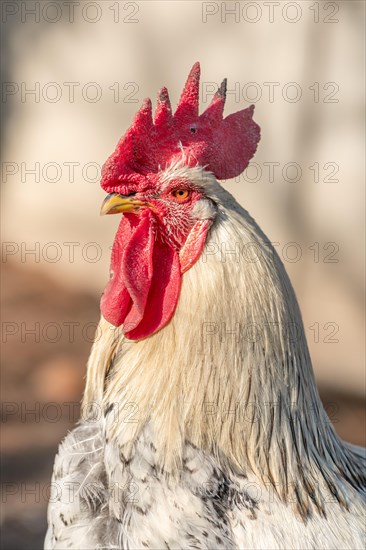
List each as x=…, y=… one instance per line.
x=73, y=75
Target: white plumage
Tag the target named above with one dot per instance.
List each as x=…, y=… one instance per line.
x=210, y=433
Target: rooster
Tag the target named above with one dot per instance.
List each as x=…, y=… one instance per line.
x=202, y=426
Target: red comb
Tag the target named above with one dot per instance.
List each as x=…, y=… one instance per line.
x=222, y=145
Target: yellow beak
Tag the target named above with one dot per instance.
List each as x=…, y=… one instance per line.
x=115, y=204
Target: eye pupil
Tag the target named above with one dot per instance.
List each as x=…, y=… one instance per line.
x=181, y=194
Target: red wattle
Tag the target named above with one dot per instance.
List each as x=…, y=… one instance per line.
x=116, y=302
x=144, y=289
x=163, y=293
x=137, y=269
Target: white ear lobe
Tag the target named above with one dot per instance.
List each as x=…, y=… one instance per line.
x=204, y=209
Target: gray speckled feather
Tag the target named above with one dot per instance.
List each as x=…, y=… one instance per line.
x=102, y=502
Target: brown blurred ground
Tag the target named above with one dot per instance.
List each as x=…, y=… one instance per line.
x=44, y=377
x=51, y=374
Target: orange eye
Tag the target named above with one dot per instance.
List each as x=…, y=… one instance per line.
x=181, y=194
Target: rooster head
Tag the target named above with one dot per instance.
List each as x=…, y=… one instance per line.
x=152, y=179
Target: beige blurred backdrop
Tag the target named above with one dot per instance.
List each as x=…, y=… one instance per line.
x=74, y=74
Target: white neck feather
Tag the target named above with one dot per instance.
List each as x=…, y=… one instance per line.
x=231, y=373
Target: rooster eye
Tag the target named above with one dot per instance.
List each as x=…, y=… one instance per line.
x=181, y=194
